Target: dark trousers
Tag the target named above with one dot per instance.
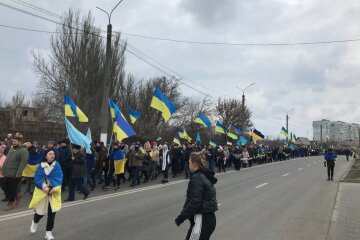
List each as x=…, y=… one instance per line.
x=78, y=183
x=10, y=187
x=222, y=166
x=109, y=176
x=330, y=169
x=208, y=224
x=175, y=167
x=66, y=169
x=166, y=173
x=50, y=219
x=136, y=175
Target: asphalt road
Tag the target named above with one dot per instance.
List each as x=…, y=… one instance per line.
x=286, y=200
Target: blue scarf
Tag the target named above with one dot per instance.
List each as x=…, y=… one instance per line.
x=55, y=177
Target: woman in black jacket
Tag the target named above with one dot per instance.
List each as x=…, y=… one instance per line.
x=200, y=203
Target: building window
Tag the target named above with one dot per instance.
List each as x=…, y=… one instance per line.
x=25, y=113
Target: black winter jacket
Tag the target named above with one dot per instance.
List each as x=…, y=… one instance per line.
x=200, y=196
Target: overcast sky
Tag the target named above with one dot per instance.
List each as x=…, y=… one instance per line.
x=319, y=81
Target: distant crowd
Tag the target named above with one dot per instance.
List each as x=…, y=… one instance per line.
x=110, y=167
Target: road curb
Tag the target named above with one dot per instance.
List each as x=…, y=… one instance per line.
x=347, y=171
x=336, y=206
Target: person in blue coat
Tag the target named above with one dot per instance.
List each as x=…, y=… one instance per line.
x=329, y=162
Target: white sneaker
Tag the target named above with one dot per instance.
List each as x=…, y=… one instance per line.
x=48, y=235
x=33, y=227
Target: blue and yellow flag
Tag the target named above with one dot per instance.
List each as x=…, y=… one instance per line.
x=161, y=103
x=76, y=137
x=257, y=135
x=202, y=119
x=177, y=139
x=284, y=132
x=293, y=138
x=219, y=128
x=184, y=135
x=122, y=128
x=114, y=109
x=71, y=110
x=133, y=115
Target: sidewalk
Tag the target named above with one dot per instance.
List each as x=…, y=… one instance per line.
x=345, y=221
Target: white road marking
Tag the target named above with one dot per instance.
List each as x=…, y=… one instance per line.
x=261, y=185
x=219, y=204
x=308, y=165
x=286, y=174
x=300, y=169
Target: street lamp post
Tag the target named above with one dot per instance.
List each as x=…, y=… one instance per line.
x=243, y=104
x=104, y=103
x=287, y=122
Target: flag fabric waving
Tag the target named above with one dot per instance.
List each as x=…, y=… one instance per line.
x=122, y=128
x=161, y=103
x=177, y=139
x=114, y=109
x=284, y=132
x=71, y=110
x=219, y=128
x=257, y=135
x=198, y=139
x=76, y=137
x=241, y=141
x=88, y=134
x=184, y=135
x=133, y=115
x=203, y=120
x=233, y=132
x=212, y=143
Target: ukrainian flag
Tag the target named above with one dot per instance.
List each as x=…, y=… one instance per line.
x=177, y=139
x=257, y=135
x=202, y=119
x=122, y=128
x=133, y=115
x=241, y=141
x=184, y=135
x=284, y=132
x=161, y=103
x=219, y=128
x=293, y=138
x=71, y=110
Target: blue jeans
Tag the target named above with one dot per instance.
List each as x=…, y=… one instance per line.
x=80, y=186
x=212, y=165
x=136, y=175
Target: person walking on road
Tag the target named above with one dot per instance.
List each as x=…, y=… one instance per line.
x=14, y=165
x=79, y=171
x=330, y=159
x=200, y=205
x=47, y=194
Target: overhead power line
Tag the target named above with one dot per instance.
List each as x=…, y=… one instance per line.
x=242, y=44
x=130, y=51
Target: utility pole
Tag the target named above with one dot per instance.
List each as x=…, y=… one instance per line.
x=104, y=113
x=287, y=122
x=243, y=105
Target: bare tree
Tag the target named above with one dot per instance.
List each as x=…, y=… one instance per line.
x=231, y=111
x=19, y=100
x=75, y=68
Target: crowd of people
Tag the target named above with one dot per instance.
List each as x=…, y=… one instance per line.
x=111, y=167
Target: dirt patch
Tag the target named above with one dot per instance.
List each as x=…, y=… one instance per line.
x=354, y=173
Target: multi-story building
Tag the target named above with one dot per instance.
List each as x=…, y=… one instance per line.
x=328, y=131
